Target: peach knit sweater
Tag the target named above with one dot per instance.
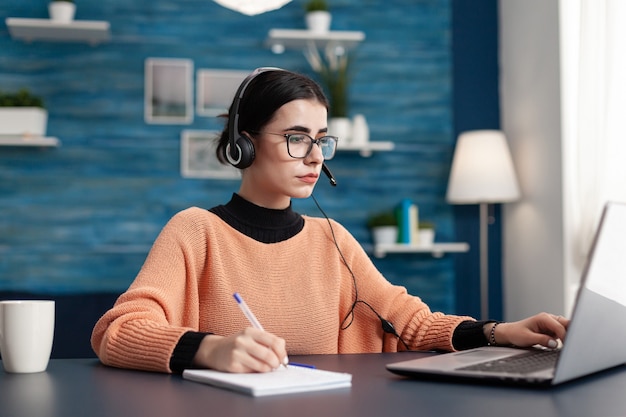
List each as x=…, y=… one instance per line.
x=299, y=289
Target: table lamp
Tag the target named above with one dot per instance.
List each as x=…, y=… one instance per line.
x=482, y=173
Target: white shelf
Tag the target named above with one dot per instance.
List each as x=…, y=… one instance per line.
x=436, y=249
x=28, y=141
x=280, y=39
x=28, y=30
x=366, y=149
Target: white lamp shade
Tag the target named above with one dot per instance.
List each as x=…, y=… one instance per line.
x=482, y=169
x=252, y=7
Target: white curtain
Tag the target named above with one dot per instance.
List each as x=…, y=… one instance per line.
x=594, y=113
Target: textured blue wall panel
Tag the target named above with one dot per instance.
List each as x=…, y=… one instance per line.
x=81, y=218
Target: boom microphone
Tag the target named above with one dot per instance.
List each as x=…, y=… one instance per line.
x=329, y=174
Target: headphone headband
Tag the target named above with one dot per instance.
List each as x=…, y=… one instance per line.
x=240, y=150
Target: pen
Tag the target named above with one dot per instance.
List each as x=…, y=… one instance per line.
x=247, y=312
x=251, y=317
x=302, y=365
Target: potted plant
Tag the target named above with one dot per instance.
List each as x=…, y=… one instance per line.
x=316, y=6
x=62, y=11
x=426, y=233
x=22, y=114
x=384, y=227
x=333, y=70
x=317, y=16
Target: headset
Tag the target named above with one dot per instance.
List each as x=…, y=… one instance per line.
x=240, y=149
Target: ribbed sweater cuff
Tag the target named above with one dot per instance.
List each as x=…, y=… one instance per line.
x=185, y=350
x=469, y=334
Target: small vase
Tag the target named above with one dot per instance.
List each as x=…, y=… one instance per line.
x=61, y=11
x=318, y=21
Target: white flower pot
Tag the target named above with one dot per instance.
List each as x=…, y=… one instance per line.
x=342, y=128
x=426, y=237
x=318, y=21
x=385, y=235
x=61, y=11
x=23, y=121
x=360, y=131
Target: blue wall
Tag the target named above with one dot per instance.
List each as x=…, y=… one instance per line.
x=475, y=104
x=79, y=219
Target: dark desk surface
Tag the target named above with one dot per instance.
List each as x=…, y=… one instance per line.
x=84, y=387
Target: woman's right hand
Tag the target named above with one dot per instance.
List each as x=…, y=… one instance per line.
x=251, y=350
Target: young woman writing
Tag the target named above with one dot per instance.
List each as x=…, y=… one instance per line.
x=307, y=279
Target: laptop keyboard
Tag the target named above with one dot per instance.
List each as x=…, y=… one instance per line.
x=524, y=363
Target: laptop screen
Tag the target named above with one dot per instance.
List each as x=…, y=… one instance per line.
x=606, y=275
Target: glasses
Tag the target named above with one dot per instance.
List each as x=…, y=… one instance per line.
x=299, y=145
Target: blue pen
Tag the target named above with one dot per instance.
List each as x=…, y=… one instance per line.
x=247, y=312
x=302, y=365
x=251, y=317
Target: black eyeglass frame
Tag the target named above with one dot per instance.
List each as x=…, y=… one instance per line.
x=313, y=142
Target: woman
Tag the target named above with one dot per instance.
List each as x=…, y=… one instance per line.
x=307, y=279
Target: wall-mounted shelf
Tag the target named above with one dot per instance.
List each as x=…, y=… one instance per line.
x=280, y=39
x=29, y=30
x=366, y=149
x=436, y=249
x=28, y=141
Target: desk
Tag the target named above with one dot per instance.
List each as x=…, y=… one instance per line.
x=84, y=387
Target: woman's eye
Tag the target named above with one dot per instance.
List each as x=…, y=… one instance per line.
x=296, y=139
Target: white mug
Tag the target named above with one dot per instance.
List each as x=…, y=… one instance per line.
x=26, y=335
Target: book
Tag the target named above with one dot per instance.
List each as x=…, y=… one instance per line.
x=292, y=379
x=408, y=219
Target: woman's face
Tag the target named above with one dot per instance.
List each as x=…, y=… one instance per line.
x=275, y=177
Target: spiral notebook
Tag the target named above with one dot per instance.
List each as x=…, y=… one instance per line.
x=292, y=379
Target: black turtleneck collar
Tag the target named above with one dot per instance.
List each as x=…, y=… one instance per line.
x=261, y=224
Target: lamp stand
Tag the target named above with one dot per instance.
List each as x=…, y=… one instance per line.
x=484, y=262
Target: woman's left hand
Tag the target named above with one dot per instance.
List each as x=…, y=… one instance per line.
x=542, y=329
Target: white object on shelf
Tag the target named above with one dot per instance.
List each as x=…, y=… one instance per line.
x=384, y=235
x=436, y=249
x=360, y=130
x=280, y=39
x=28, y=30
x=426, y=236
x=340, y=127
x=28, y=141
x=366, y=149
x=318, y=21
x=26, y=121
x=61, y=11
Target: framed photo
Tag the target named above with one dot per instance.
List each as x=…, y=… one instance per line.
x=168, y=91
x=215, y=90
x=197, y=157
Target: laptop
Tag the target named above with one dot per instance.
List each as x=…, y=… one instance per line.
x=595, y=340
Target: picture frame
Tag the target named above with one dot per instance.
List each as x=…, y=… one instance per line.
x=168, y=91
x=215, y=90
x=198, y=159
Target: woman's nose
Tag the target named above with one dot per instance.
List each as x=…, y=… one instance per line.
x=316, y=153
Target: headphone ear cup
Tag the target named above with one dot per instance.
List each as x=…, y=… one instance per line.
x=245, y=153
